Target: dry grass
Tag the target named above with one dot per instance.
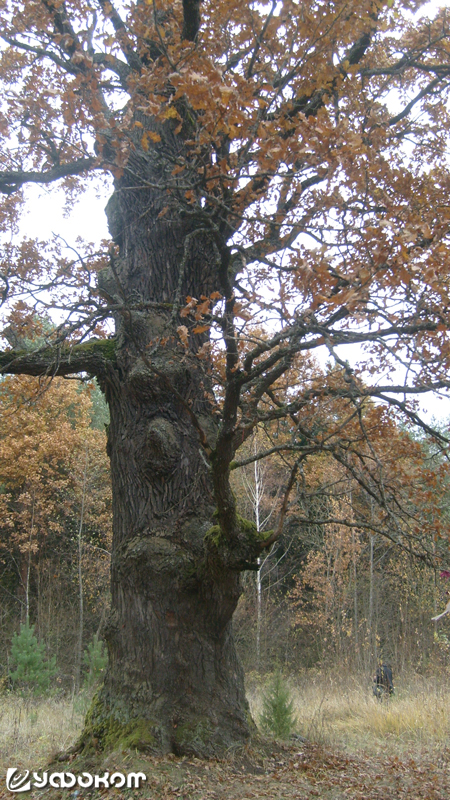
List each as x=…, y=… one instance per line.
x=32, y=730
x=340, y=712
x=333, y=711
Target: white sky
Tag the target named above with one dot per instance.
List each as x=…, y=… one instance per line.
x=44, y=215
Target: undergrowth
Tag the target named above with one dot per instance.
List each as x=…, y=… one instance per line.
x=342, y=712
x=327, y=710
x=33, y=729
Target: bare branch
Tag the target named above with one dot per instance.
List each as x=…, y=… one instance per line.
x=92, y=357
x=423, y=93
x=12, y=181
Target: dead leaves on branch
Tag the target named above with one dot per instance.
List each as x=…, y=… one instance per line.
x=197, y=310
x=242, y=81
x=236, y=100
x=286, y=151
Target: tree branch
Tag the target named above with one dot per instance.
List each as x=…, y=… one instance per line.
x=43, y=52
x=423, y=92
x=191, y=19
x=92, y=357
x=132, y=58
x=309, y=104
x=10, y=182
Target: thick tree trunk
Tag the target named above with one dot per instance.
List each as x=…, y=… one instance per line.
x=174, y=682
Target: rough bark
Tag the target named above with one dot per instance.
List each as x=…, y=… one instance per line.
x=174, y=682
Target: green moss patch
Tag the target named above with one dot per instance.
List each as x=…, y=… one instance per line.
x=107, y=733
x=193, y=738
x=213, y=536
x=102, y=347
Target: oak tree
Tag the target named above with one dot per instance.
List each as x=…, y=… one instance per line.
x=276, y=165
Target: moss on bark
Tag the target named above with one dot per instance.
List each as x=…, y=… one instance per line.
x=90, y=356
x=103, y=731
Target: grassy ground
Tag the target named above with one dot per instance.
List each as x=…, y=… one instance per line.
x=355, y=748
x=32, y=730
x=339, y=711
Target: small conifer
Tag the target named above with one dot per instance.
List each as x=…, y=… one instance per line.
x=278, y=716
x=33, y=673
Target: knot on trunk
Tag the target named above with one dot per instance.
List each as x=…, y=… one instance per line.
x=161, y=452
x=149, y=556
x=157, y=382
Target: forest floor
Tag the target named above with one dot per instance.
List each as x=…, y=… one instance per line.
x=354, y=748
x=281, y=772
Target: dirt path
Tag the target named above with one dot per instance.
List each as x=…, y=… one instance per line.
x=302, y=772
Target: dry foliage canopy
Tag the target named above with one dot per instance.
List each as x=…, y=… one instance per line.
x=305, y=144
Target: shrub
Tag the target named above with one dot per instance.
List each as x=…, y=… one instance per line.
x=278, y=716
x=33, y=673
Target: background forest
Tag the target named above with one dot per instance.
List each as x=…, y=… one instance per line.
x=335, y=593
x=56, y=519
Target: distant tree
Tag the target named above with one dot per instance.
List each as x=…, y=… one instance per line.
x=282, y=164
x=346, y=589
x=49, y=457
x=42, y=448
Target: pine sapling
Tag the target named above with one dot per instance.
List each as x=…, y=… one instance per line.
x=33, y=673
x=278, y=715
x=96, y=660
